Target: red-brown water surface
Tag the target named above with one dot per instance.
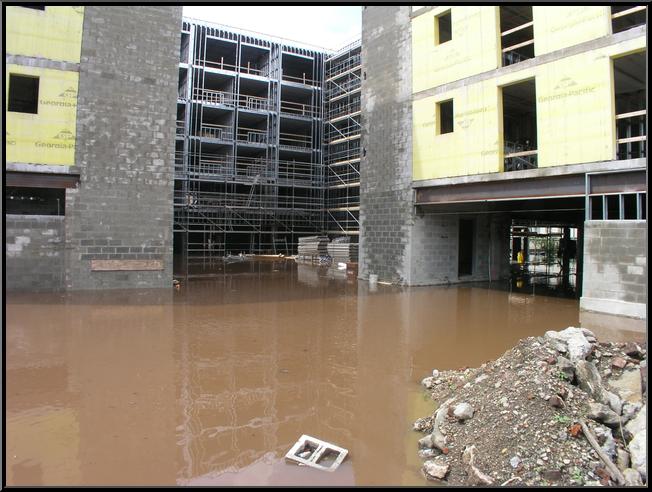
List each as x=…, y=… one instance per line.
x=213, y=383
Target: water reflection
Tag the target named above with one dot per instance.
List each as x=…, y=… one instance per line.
x=213, y=383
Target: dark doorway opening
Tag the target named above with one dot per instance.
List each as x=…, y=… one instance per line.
x=465, y=257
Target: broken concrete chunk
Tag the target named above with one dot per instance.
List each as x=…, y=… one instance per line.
x=560, y=347
x=633, y=350
x=426, y=442
x=574, y=339
x=630, y=410
x=613, y=401
x=587, y=333
x=606, y=441
x=622, y=459
x=632, y=477
x=437, y=438
x=638, y=424
x=435, y=470
x=428, y=382
x=638, y=453
x=588, y=378
x=628, y=386
x=475, y=476
x=426, y=454
x=603, y=414
x=463, y=411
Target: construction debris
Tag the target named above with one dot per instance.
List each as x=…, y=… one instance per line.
x=540, y=418
x=313, y=246
x=310, y=451
x=341, y=250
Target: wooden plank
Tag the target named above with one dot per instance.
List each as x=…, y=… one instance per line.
x=642, y=138
x=125, y=265
x=519, y=45
x=517, y=28
x=521, y=154
x=631, y=115
x=628, y=11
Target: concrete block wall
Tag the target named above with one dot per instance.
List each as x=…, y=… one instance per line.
x=434, y=249
x=386, y=196
x=615, y=267
x=122, y=208
x=34, y=252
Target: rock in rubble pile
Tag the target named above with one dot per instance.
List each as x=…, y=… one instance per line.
x=521, y=419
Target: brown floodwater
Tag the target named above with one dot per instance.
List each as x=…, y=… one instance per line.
x=213, y=383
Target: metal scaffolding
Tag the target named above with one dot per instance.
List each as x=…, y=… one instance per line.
x=249, y=174
x=342, y=140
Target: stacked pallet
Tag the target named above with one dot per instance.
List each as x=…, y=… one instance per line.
x=313, y=246
x=342, y=250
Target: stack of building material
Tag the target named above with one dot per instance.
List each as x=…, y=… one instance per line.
x=342, y=250
x=313, y=246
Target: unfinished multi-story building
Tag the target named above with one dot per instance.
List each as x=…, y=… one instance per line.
x=483, y=124
x=267, y=145
x=249, y=167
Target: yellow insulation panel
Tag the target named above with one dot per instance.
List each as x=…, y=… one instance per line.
x=575, y=117
x=558, y=27
x=474, y=47
x=54, y=33
x=471, y=148
x=47, y=137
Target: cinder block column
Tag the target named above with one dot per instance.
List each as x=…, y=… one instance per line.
x=386, y=197
x=122, y=209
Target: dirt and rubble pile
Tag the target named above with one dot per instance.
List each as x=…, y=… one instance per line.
x=528, y=417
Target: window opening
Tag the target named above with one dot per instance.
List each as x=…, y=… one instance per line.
x=520, y=126
x=443, y=28
x=624, y=17
x=35, y=201
x=446, y=116
x=516, y=34
x=630, y=105
x=23, y=94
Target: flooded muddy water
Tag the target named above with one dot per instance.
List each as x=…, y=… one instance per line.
x=213, y=383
